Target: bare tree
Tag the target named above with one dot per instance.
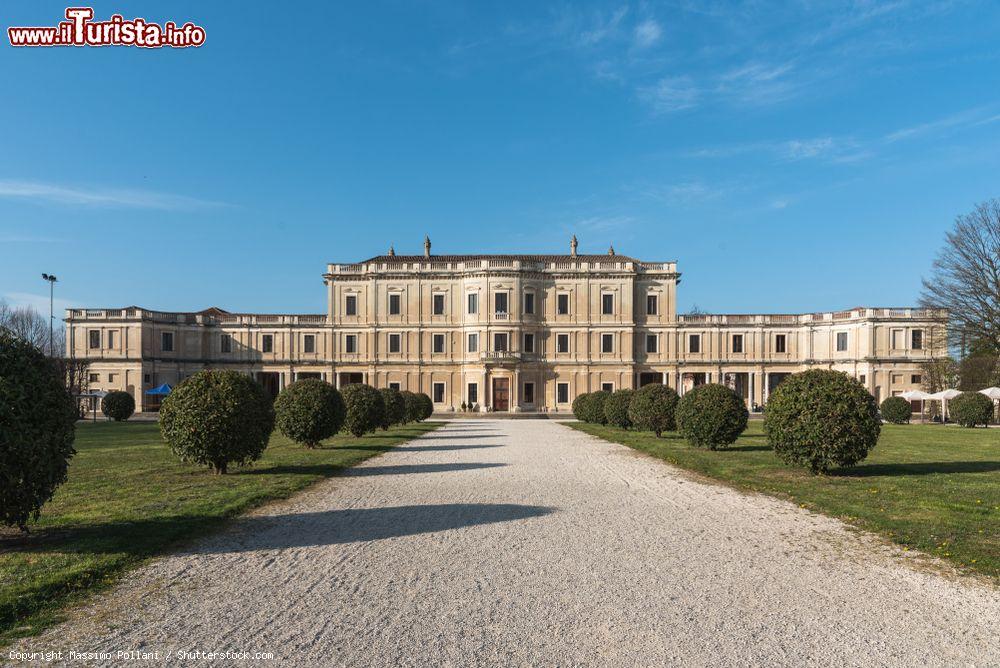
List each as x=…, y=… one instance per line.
x=966, y=278
x=27, y=324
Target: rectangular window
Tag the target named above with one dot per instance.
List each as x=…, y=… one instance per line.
x=562, y=343
x=841, y=341
x=111, y=339
x=651, y=343
x=694, y=343
x=167, y=342
x=652, y=304
x=607, y=387
x=95, y=339
x=529, y=303
x=438, y=393
x=473, y=303
x=95, y=378
x=896, y=339
x=737, y=343
x=309, y=343
x=147, y=378
x=607, y=343
x=562, y=304
x=267, y=343
x=438, y=343
x=395, y=386
x=862, y=379
x=500, y=342
x=529, y=343
x=916, y=379
x=917, y=339
x=473, y=393
x=394, y=303
x=779, y=343
x=607, y=304
x=473, y=343
x=395, y=343
x=226, y=343
x=112, y=377
x=351, y=343
x=562, y=393
x=438, y=303
x=500, y=302
x=529, y=393
x=351, y=305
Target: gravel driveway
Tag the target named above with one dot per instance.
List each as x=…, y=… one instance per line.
x=523, y=542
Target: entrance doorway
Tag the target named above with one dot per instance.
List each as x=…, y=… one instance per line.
x=269, y=379
x=501, y=394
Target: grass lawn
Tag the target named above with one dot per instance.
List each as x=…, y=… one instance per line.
x=927, y=487
x=128, y=498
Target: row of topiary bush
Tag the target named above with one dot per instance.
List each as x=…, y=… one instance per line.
x=968, y=409
x=710, y=416
x=817, y=419
x=218, y=418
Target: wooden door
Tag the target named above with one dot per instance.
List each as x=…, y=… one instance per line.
x=501, y=394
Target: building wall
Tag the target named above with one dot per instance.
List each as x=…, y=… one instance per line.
x=408, y=323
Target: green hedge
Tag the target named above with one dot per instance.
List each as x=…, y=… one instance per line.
x=365, y=409
x=652, y=408
x=616, y=408
x=711, y=416
x=309, y=411
x=971, y=408
x=820, y=419
x=395, y=407
x=895, y=410
x=37, y=423
x=118, y=405
x=217, y=418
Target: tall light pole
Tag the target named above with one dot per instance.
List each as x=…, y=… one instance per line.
x=52, y=286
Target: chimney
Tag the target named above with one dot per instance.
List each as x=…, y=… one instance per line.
x=427, y=246
x=572, y=246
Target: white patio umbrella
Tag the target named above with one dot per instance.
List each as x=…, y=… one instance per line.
x=992, y=392
x=916, y=395
x=944, y=396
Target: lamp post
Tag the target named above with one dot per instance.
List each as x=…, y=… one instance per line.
x=52, y=285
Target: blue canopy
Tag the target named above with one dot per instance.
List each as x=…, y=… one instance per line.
x=162, y=389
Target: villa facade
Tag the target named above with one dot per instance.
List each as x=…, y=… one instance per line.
x=505, y=333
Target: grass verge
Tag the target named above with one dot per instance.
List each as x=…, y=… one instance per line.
x=128, y=499
x=927, y=487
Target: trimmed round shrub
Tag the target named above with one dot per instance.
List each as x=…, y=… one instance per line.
x=118, y=405
x=711, y=416
x=309, y=411
x=616, y=408
x=395, y=407
x=820, y=419
x=971, y=408
x=414, y=409
x=652, y=408
x=593, y=407
x=426, y=406
x=579, y=406
x=217, y=418
x=895, y=410
x=365, y=409
x=37, y=418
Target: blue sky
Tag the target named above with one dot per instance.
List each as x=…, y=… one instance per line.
x=791, y=156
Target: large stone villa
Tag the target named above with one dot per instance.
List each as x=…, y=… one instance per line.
x=506, y=333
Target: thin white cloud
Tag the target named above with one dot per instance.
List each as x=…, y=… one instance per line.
x=99, y=197
x=670, y=94
x=39, y=302
x=967, y=118
x=602, y=28
x=647, y=34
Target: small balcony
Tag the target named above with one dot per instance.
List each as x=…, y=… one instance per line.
x=500, y=357
x=501, y=315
